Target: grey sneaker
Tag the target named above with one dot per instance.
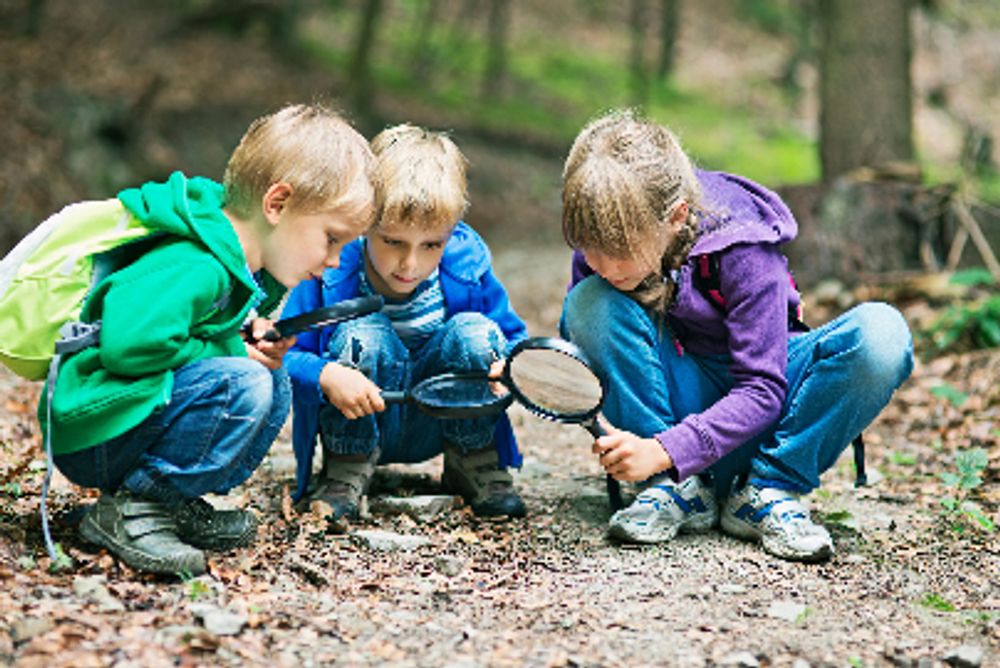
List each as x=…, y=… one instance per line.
x=342, y=483
x=779, y=521
x=664, y=509
x=141, y=533
x=476, y=475
x=201, y=525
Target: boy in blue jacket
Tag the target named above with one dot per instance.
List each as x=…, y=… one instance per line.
x=445, y=312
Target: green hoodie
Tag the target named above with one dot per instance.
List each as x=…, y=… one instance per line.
x=183, y=300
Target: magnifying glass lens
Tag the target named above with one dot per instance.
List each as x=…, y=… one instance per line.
x=556, y=383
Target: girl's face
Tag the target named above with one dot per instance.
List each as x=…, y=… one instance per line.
x=400, y=256
x=624, y=273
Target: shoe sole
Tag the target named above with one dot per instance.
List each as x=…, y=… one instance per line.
x=222, y=544
x=741, y=530
x=621, y=533
x=94, y=534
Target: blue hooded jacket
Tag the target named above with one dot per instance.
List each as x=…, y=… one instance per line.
x=468, y=284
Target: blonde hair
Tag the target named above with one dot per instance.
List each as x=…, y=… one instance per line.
x=327, y=163
x=422, y=176
x=622, y=180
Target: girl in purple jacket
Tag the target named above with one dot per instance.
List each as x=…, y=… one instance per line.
x=730, y=413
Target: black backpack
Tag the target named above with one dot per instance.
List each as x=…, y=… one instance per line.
x=705, y=278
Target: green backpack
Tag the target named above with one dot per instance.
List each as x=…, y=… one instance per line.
x=44, y=282
x=45, y=279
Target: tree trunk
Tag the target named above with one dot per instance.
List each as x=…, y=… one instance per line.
x=496, y=54
x=360, y=68
x=638, y=76
x=669, y=23
x=421, y=60
x=865, y=88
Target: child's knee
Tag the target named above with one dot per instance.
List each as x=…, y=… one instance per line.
x=591, y=310
x=886, y=342
x=362, y=342
x=473, y=335
x=252, y=390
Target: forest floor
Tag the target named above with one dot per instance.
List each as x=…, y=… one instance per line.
x=909, y=584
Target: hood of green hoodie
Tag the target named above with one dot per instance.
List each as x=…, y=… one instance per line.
x=191, y=208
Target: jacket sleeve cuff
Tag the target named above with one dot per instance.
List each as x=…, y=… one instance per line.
x=689, y=448
x=305, y=371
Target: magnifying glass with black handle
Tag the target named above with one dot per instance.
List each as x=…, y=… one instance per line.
x=318, y=318
x=551, y=377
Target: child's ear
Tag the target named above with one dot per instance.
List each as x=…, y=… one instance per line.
x=275, y=201
x=679, y=214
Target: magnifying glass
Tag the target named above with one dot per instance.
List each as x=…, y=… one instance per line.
x=321, y=317
x=553, y=379
x=549, y=376
x=453, y=395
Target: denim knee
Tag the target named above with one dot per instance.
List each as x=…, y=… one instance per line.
x=886, y=345
x=364, y=342
x=251, y=388
x=472, y=340
x=594, y=311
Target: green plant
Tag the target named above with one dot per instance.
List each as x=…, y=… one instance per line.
x=902, y=458
x=954, y=396
x=196, y=589
x=958, y=508
x=936, y=602
x=12, y=489
x=970, y=324
x=62, y=562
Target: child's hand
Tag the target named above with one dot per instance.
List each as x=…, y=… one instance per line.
x=629, y=458
x=268, y=353
x=496, y=372
x=350, y=391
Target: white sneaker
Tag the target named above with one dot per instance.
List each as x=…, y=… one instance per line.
x=663, y=509
x=778, y=520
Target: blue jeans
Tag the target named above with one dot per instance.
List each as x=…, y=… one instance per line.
x=222, y=417
x=840, y=376
x=467, y=342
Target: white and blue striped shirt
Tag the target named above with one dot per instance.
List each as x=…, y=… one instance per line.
x=417, y=317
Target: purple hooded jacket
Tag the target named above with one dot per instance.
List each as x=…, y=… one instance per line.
x=744, y=225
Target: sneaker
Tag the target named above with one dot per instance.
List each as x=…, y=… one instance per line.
x=476, y=475
x=141, y=533
x=201, y=525
x=342, y=483
x=664, y=509
x=778, y=520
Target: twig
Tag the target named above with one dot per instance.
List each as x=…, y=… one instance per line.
x=978, y=238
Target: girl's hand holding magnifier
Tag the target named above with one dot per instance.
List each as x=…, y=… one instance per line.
x=629, y=458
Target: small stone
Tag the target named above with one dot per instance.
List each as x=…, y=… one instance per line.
x=421, y=508
x=448, y=565
x=741, y=660
x=731, y=588
x=386, y=541
x=92, y=589
x=787, y=610
x=218, y=621
x=965, y=656
x=27, y=628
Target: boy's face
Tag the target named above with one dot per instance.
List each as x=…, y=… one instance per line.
x=302, y=245
x=400, y=256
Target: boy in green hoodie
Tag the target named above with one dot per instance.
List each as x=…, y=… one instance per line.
x=175, y=403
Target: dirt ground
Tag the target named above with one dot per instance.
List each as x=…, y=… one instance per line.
x=908, y=585
x=904, y=588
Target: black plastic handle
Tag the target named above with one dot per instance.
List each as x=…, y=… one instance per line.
x=614, y=487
